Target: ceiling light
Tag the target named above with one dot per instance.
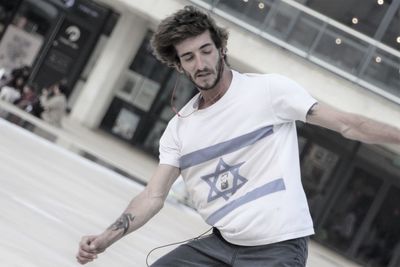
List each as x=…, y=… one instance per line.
x=354, y=20
x=338, y=41
x=380, y=2
x=378, y=59
x=398, y=39
x=245, y=1
x=261, y=5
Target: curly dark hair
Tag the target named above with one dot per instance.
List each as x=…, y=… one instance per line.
x=185, y=23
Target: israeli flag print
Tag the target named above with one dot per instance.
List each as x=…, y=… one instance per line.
x=217, y=174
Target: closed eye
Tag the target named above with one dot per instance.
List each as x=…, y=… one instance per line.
x=207, y=52
x=187, y=58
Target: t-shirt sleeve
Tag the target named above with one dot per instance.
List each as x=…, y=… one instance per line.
x=169, y=146
x=290, y=101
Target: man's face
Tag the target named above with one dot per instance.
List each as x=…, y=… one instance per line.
x=200, y=60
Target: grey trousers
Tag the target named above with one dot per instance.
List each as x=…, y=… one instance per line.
x=214, y=251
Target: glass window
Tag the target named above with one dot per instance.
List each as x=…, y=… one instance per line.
x=392, y=34
x=340, y=49
x=147, y=65
x=152, y=141
x=349, y=210
x=125, y=124
x=137, y=90
x=250, y=11
x=317, y=167
x=282, y=20
x=304, y=32
x=381, y=241
x=368, y=14
x=383, y=70
x=122, y=119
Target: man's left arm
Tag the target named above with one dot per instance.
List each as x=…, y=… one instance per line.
x=353, y=126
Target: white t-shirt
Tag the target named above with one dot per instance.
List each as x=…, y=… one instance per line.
x=9, y=94
x=239, y=159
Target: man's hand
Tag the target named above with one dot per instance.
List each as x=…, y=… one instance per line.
x=90, y=247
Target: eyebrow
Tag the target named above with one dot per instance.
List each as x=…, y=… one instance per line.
x=201, y=47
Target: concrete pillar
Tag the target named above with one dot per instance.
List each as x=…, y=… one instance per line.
x=97, y=94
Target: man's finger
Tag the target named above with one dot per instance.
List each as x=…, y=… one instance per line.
x=85, y=254
x=83, y=257
x=86, y=243
x=83, y=260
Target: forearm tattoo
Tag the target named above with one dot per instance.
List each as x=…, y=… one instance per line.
x=122, y=222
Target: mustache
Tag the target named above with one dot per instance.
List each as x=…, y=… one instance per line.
x=203, y=72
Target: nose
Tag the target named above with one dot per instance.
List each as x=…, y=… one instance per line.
x=199, y=63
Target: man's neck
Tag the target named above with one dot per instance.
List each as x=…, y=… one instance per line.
x=211, y=96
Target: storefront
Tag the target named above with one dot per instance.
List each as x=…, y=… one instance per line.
x=53, y=37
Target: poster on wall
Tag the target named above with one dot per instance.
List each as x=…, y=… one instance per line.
x=63, y=56
x=125, y=124
x=18, y=48
x=137, y=90
x=146, y=94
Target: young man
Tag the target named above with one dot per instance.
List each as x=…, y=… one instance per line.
x=235, y=145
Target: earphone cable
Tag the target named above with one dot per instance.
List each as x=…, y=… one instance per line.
x=174, y=109
x=173, y=244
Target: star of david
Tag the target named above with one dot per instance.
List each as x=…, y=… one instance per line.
x=222, y=171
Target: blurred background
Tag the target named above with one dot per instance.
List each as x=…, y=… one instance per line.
x=92, y=58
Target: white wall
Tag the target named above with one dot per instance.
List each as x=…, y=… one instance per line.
x=98, y=92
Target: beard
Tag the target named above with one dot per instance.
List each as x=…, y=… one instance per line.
x=218, y=70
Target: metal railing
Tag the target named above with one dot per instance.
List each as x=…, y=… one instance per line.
x=317, y=38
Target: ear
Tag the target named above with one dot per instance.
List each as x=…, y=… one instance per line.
x=178, y=67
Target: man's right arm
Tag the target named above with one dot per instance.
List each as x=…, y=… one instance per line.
x=139, y=211
x=353, y=126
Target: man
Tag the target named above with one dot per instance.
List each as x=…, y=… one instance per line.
x=235, y=145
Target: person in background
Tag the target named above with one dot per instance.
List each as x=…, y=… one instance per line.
x=28, y=98
x=12, y=91
x=12, y=84
x=22, y=72
x=54, y=104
